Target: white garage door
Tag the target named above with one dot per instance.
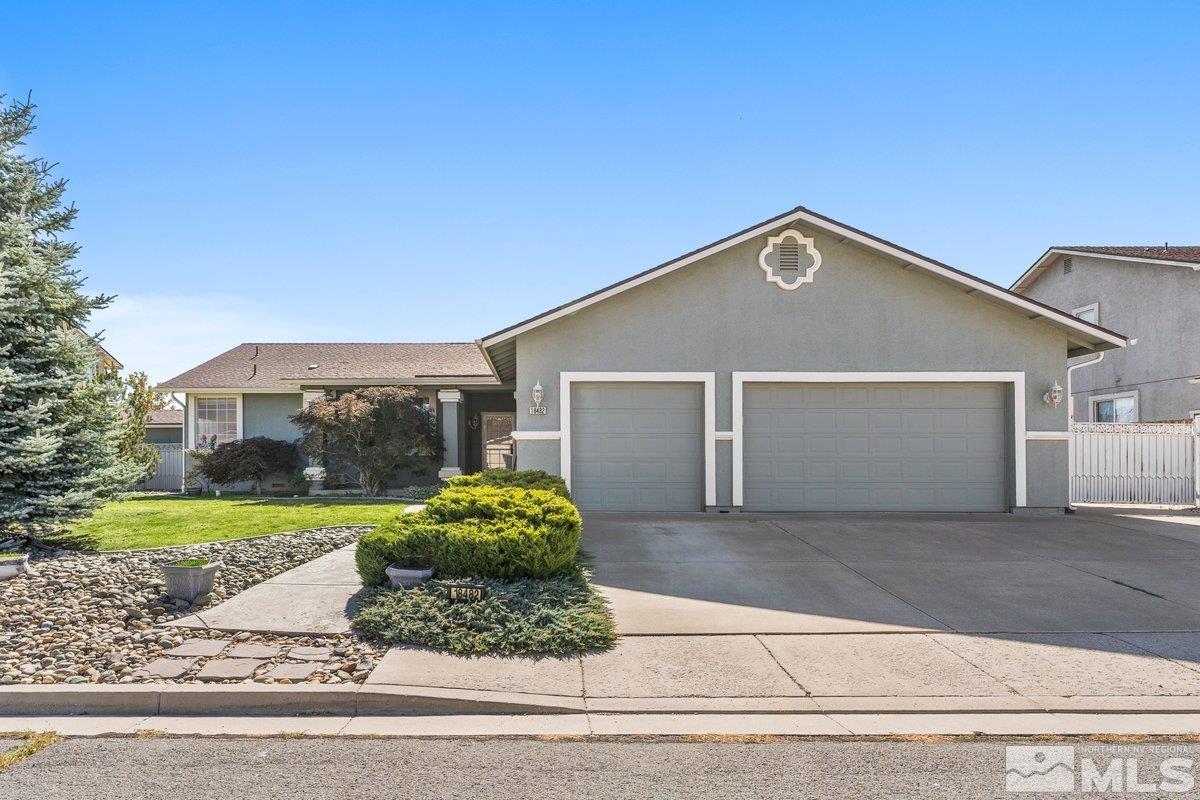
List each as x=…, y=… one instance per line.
x=637, y=446
x=874, y=447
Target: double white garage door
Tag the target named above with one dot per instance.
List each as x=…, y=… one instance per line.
x=806, y=447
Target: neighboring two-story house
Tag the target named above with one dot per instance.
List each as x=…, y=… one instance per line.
x=1151, y=294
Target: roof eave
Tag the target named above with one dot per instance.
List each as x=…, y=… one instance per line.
x=1031, y=275
x=908, y=259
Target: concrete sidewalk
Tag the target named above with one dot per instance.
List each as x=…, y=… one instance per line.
x=317, y=598
x=860, y=672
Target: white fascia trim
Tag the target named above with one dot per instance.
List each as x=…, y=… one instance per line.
x=191, y=413
x=536, y=435
x=708, y=379
x=1017, y=379
x=1046, y=436
x=223, y=392
x=1022, y=283
x=422, y=381
x=974, y=284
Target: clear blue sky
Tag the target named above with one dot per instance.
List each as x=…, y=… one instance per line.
x=383, y=172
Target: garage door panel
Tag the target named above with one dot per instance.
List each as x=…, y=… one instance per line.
x=637, y=446
x=918, y=447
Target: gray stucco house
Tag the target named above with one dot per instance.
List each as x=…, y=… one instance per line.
x=1150, y=293
x=165, y=426
x=797, y=365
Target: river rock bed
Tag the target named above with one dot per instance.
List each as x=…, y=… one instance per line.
x=93, y=617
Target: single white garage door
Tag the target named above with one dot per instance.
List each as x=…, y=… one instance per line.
x=875, y=447
x=637, y=446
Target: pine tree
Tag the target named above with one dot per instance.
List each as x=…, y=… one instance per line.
x=60, y=423
x=139, y=401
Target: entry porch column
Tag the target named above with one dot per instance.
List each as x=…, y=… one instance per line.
x=450, y=408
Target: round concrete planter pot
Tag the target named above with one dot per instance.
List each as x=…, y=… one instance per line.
x=12, y=567
x=188, y=583
x=405, y=578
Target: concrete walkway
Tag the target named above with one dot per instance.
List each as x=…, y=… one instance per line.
x=317, y=598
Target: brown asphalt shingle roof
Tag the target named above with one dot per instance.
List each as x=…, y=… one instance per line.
x=165, y=416
x=265, y=365
x=1188, y=253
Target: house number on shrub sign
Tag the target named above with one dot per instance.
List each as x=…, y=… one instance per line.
x=466, y=592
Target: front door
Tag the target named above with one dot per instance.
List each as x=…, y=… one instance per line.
x=497, y=428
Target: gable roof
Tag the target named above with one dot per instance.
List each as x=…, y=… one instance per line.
x=1086, y=336
x=164, y=417
x=284, y=367
x=1177, y=256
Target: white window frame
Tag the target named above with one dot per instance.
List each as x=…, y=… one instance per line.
x=709, y=381
x=1100, y=398
x=1017, y=379
x=191, y=413
x=1089, y=307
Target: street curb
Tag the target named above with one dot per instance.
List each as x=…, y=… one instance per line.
x=272, y=700
x=383, y=700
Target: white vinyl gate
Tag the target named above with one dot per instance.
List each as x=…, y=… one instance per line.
x=1135, y=463
x=168, y=476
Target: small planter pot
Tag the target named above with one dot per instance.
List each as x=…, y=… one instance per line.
x=12, y=567
x=405, y=578
x=188, y=583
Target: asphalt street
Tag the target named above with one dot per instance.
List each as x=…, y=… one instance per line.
x=515, y=769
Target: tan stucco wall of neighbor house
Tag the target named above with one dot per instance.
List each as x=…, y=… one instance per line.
x=862, y=313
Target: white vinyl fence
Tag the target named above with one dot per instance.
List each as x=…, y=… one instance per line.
x=1135, y=463
x=168, y=476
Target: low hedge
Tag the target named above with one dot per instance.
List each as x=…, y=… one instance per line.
x=478, y=532
x=524, y=479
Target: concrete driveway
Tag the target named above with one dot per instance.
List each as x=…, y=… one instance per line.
x=1100, y=570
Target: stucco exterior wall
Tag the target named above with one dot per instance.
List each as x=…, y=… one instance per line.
x=268, y=415
x=1156, y=304
x=164, y=435
x=863, y=312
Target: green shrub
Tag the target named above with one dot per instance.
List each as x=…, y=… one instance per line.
x=524, y=479
x=478, y=531
x=564, y=614
x=421, y=492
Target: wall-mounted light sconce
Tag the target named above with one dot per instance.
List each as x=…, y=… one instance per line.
x=473, y=423
x=1053, y=396
x=538, y=394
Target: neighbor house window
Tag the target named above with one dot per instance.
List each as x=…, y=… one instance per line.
x=216, y=421
x=1123, y=408
x=1089, y=313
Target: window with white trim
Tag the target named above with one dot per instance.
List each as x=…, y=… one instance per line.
x=1089, y=313
x=216, y=421
x=1123, y=408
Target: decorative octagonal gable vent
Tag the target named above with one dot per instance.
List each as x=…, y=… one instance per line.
x=789, y=259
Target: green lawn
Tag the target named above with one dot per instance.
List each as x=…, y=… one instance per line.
x=158, y=521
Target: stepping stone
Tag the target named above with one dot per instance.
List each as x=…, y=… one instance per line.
x=229, y=669
x=254, y=651
x=168, y=667
x=198, y=647
x=294, y=672
x=310, y=653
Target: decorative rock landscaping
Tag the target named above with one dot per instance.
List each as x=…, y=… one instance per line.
x=94, y=618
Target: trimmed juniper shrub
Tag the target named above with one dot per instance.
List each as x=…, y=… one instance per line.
x=478, y=532
x=564, y=614
x=524, y=479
